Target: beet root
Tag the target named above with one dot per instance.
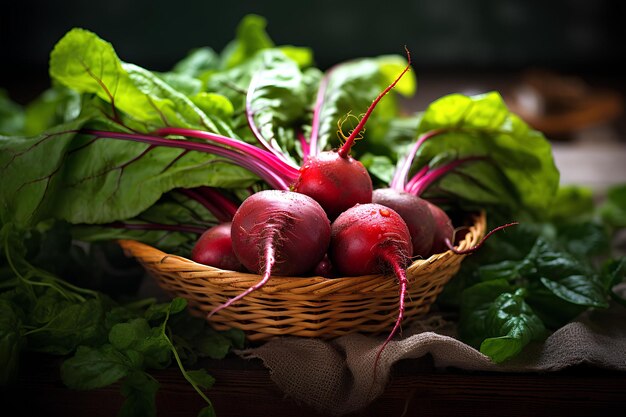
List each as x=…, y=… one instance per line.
x=369, y=239
x=214, y=248
x=277, y=232
x=416, y=214
x=336, y=183
x=443, y=229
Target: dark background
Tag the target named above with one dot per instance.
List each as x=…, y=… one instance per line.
x=455, y=38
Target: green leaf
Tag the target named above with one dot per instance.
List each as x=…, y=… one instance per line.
x=11, y=115
x=197, y=62
x=137, y=336
x=278, y=100
x=72, y=177
x=572, y=203
x=92, y=368
x=214, y=346
x=140, y=390
x=172, y=209
x=351, y=88
x=613, y=210
x=213, y=104
x=518, y=172
x=300, y=55
x=160, y=311
x=208, y=411
x=31, y=171
x=507, y=270
x=613, y=273
x=201, y=378
x=57, y=105
x=476, y=301
x=251, y=37
x=505, y=324
x=578, y=289
x=381, y=167
x=238, y=337
x=87, y=64
x=182, y=83
x=584, y=238
x=73, y=325
x=127, y=335
x=11, y=341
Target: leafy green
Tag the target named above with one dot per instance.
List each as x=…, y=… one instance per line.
x=505, y=321
x=173, y=209
x=197, y=62
x=517, y=172
x=535, y=277
x=108, y=342
x=278, y=99
x=572, y=203
x=613, y=210
x=10, y=341
x=352, y=86
x=92, y=368
x=87, y=64
x=11, y=116
x=140, y=390
x=65, y=188
x=65, y=325
x=70, y=176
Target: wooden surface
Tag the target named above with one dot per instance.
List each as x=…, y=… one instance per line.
x=244, y=388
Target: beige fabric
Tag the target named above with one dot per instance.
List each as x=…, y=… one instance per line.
x=338, y=377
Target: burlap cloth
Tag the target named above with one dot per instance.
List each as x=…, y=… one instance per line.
x=337, y=377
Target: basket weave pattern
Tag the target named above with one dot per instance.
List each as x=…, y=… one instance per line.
x=303, y=306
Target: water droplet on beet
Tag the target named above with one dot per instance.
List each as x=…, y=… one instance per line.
x=385, y=212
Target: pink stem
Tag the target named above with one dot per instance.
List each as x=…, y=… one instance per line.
x=215, y=209
x=228, y=207
x=267, y=272
x=433, y=175
x=284, y=168
x=258, y=167
x=306, y=147
x=315, y=125
x=400, y=177
x=415, y=178
x=391, y=259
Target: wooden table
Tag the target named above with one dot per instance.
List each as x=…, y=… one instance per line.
x=244, y=388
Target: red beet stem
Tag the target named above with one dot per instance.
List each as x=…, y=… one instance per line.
x=270, y=260
x=391, y=259
x=344, y=151
x=479, y=244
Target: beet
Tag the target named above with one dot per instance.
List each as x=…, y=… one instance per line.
x=415, y=213
x=214, y=248
x=371, y=239
x=278, y=232
x=443, y=229
x=336, y=182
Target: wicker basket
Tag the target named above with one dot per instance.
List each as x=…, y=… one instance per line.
x=310, y=306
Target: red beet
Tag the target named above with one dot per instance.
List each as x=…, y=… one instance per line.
x=443, y=229
x=416, y=214
x=370, y=239
x=214, y=248
x=336, y=182
x=278, y=233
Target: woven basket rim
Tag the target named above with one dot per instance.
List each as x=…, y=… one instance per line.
x=134, y=248
x=303, y=306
